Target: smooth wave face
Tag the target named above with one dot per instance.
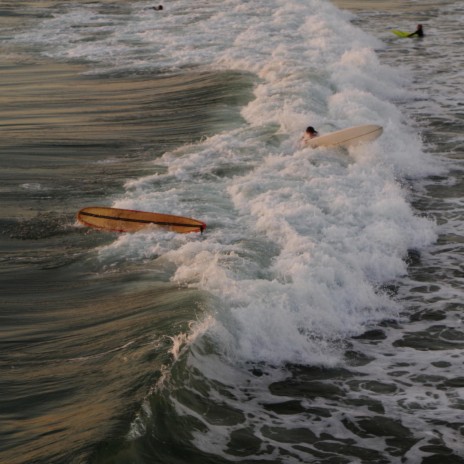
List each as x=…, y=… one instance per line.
x=306, y=324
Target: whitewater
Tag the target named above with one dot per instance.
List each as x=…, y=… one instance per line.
x=296, y=341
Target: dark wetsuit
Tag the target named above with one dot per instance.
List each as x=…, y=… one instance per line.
x=419, y=33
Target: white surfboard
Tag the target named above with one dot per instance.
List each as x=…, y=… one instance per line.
x=346, y=137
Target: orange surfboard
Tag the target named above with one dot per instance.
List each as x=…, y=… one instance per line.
x=127, y=220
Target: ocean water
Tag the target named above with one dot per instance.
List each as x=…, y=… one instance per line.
x=319, y=319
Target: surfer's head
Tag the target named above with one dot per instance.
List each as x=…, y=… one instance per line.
x=311, y=131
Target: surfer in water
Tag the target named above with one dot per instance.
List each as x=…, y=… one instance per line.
x=157, y=8
x=310, y=133
x=419, y=32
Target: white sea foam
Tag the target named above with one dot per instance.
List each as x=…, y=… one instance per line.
x=298, y=245
x=32, y=186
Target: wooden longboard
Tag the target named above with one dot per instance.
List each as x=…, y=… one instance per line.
x=126, y=220
x=346, y=137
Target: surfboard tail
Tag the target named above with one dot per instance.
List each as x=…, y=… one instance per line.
x=399, y=33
